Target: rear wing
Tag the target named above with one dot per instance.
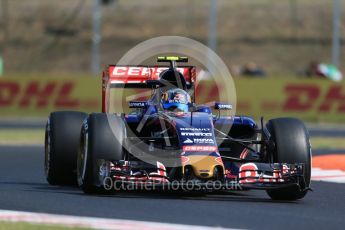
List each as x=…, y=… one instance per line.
x=126, y=76
x=136, y=76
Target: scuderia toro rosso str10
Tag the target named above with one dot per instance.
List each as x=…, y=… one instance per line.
x=170, y=140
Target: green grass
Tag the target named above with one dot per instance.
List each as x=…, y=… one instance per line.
x=21, y=136
x=28, y=226
x=328, y=142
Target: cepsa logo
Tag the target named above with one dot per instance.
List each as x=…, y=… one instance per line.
x=39, y=94
x=139, y=71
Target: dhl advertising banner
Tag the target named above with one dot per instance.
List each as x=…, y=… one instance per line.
x=38, y=96
x=310, y=99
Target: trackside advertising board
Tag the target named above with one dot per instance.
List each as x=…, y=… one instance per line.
x=38, y=96
x=308, y=99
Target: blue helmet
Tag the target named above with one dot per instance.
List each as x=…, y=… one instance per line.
x=176, y=100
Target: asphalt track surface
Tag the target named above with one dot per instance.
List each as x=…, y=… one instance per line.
x=23, y=187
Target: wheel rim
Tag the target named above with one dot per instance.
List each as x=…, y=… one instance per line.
x=47, y=150
x=82, y=158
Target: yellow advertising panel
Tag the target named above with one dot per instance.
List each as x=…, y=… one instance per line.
x=310, y=100
x=38, y=96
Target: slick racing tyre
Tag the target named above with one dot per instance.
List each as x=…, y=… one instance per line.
x=61, y=146
x=99, y=145
x=292, y=145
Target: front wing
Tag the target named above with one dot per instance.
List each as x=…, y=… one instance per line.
x=248, y=176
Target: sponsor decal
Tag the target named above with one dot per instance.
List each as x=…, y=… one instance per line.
x=199, y=141
x=196, y=129
x=188, y=141
x=203, y=141
x=137, y=104
x=286, y=169
x=197, y=148
x=144, y=72
x=197, y=134
x=248, y=173
x=161, y=170
x=221, y=106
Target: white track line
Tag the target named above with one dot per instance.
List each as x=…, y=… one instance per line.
x=91, y=222
x=328, y=175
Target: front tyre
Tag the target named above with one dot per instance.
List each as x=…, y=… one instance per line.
x=101, y=141
x=61, y=146
x=292, y=145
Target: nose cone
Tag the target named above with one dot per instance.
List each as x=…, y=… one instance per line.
x=203, y=166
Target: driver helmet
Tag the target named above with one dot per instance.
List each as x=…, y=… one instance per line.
x=176, y=100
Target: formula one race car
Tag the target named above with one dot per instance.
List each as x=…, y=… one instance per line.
x=170, y=140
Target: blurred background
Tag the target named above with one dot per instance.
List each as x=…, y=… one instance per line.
x=282, y=37
x=285, y=56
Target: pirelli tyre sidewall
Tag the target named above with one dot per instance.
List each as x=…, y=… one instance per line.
x=292, y=145
x=61, y=146
x=98, y=147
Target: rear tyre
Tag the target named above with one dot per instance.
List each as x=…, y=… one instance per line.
x=101, y=141
x=61, y=146
x=292, y=145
